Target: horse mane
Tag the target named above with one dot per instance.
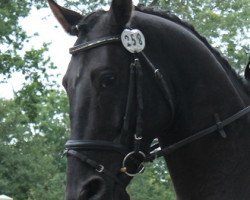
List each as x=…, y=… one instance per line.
x=172, y=17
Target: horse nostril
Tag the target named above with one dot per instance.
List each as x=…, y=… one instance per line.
x=93, y=189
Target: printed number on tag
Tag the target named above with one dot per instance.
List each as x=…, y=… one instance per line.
x=133, y=40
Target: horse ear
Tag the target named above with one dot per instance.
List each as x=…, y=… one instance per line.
x=247, y=71
x=122, y=10
x=67, y=18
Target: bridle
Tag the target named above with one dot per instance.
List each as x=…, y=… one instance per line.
x=73, y=147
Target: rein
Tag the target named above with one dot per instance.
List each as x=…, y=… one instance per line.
x=135, y=92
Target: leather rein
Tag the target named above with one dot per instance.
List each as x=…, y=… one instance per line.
x=74, y=147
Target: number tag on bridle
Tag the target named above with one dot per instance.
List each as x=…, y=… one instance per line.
x=133, y=40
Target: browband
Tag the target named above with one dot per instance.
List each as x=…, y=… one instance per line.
x=95, y=43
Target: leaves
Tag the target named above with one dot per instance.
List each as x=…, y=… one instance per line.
x=30, y=153
x=154, y=183
x=32, y=132
x=224, y=23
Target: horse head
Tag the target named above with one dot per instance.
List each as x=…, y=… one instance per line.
x=112, y=104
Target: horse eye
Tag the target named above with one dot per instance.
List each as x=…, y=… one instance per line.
x=107, y=80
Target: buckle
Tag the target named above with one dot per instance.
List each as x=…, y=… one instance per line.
x=220, y=127
x=100, y=168
x=137, y=138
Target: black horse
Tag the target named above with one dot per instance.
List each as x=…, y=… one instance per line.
x=177, y=89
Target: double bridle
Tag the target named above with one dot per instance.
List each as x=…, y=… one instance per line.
x=137, y=156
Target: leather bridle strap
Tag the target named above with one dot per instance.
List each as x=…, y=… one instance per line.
x=129, y=106
x=95, y=43
x=217, y=127
x=162, y=84
x=98, y=167
x=73, y=146
x=96, y=145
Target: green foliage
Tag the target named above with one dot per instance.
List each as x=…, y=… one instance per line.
x=34, y=125
x=226, y=24
x=30, y=153
x=87, y=6
x=154, y=183
x=12, y=36
x=10, y=12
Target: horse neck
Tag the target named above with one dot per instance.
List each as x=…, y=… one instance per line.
x=201, y=86
x=207, y=168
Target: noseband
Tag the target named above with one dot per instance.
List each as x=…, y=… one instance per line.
x=137, y=156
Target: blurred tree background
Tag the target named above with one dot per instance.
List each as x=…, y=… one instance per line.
x=34, y=125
